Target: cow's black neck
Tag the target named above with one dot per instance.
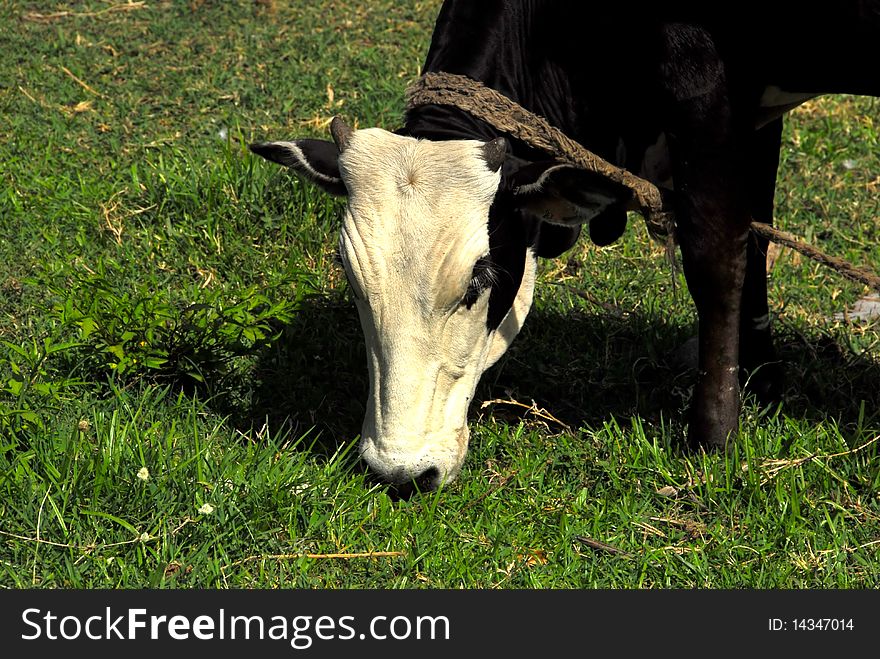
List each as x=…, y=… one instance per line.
x=566, y=62
x=501, y=44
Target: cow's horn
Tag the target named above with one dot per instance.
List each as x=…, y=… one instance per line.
x=341, y=133
x=495, y=152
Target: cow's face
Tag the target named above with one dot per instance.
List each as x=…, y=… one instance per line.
x=439, y=243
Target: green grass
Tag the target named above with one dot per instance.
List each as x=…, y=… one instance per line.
x=182, y=376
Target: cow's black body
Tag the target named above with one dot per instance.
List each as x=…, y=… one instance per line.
x=615, y=80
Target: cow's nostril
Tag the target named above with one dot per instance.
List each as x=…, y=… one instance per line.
x=428, y=479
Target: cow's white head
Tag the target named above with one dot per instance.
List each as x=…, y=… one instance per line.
x=439, y=243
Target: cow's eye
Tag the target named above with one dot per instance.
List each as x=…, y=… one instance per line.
x=482, y=278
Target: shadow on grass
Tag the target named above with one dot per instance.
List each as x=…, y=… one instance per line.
x=582, y=368
x=311, y=379
x=825, y=379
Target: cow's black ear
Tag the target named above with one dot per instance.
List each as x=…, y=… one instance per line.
x=316, y=160
x=608, y=226
x=560, y=193
x=552, y=240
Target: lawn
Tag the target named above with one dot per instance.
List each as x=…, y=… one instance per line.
x=182, y=374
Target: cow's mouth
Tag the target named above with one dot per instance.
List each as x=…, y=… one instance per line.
x=428, y=481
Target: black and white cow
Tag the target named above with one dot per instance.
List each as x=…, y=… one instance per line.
x=446, y=218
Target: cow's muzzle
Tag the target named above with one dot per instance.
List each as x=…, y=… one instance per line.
x=425, y=465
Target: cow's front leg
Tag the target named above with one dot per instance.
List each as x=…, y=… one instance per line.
x=708, y=144
x=713, y=234
x=713, y=229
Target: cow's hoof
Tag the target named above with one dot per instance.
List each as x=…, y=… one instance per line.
x=711, y=428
